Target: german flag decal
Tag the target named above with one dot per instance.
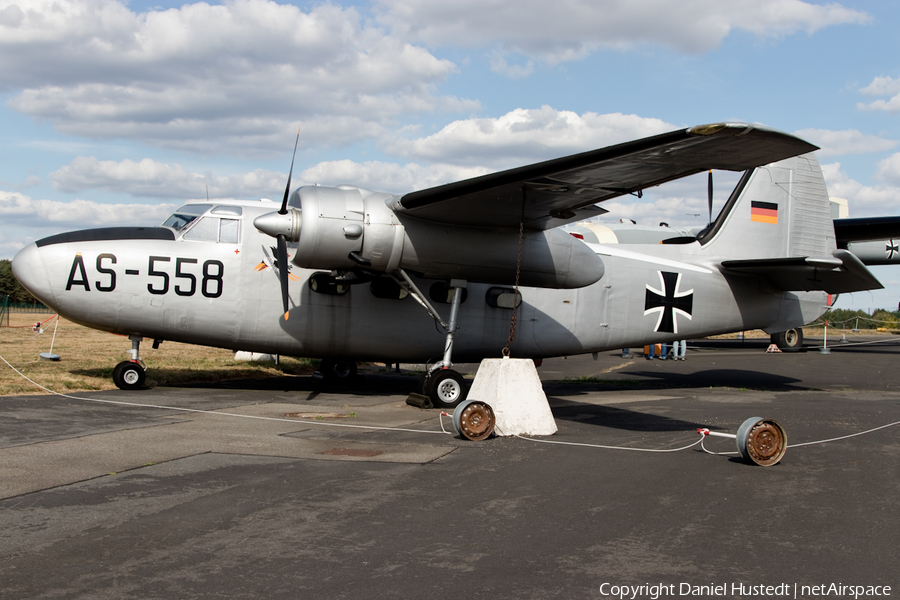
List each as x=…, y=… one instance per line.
x=764, y=212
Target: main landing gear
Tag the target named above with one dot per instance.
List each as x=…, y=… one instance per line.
x=445, y=387
x=790, y=340
x=337, y=370
x=131, y=374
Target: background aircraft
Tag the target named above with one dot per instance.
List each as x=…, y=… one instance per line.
x=348, y=274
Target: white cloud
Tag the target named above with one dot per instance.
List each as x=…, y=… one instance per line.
x=571, y=29
x=501, y=66
x=523, y=136
x=21, y=210
x=152, y=179
x=149, y=178
x=882, y=86
x=864, y=200
x=30, y=182
x=211, y=78
x=387, y=177
x=848, y=141
x=889, y=169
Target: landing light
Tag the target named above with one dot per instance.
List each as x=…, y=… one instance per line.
x=707, y=129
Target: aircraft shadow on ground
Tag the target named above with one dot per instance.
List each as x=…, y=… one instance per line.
x=643, y=380
x=617, y=418
x=361, y=385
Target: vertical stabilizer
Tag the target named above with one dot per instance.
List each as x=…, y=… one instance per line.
x=776, y=211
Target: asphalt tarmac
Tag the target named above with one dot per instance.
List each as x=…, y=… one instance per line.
x=106, y=500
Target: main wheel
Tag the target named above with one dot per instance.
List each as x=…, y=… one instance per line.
x=446, y=388
x=792, y=339
x=128, y=375
x=337, y=369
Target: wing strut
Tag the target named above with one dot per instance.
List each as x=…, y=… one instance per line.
x=456, y=292
x=417, y=294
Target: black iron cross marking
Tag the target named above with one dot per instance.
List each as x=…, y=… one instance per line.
x=668, y=302
x=891, y=248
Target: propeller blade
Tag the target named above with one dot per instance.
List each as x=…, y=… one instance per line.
x=281, y=257
x=709, y=190
x=287, y=188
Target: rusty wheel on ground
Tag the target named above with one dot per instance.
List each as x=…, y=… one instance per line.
x=473, y=420
x=762, y=441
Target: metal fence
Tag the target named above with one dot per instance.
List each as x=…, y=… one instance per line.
x=15, y=307
x=7, y=307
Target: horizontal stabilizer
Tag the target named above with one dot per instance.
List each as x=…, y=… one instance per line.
x=838, y=274
x=865, y=228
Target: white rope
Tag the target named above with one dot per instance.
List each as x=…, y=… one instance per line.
x=612, y=447
x=844, y=437
x=440, y=419
x=216, y=413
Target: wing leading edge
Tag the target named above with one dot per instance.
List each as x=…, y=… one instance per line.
x=865, y=229
x=566, y=189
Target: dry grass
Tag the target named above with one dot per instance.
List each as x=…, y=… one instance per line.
x=808, y=332
x=88, y=357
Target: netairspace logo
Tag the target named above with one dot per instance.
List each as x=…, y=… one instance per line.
x=795, y=591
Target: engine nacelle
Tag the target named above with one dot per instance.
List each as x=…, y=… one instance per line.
x=347, y=227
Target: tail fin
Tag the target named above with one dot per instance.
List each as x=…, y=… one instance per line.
x=776, y=211
x=777, y=224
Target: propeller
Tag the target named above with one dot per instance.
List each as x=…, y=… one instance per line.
x=281, y=250
x=709, y=192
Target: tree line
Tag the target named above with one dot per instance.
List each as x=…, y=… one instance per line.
x=10, y=286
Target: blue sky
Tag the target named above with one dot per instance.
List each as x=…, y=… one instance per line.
x=114, y=113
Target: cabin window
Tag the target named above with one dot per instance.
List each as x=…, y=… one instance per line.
x=503, y=297
x=325, y=283
x=385, y=287
x=440, y=292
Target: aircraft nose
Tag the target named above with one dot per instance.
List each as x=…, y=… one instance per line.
x=28, y=267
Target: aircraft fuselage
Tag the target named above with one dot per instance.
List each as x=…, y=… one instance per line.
x=227, y=294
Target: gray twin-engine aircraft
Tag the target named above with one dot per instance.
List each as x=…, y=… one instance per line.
x=431, y=276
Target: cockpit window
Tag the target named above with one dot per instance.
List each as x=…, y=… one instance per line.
x=227, y=210
x=185, y=215
x=205, y=230
x=214, y=229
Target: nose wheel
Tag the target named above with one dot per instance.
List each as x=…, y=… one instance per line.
x=131, y=374
x=128, y=375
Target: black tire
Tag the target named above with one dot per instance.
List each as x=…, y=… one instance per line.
x=446, y=388
x=128, y=375
x=337, y=369
x=792, y=339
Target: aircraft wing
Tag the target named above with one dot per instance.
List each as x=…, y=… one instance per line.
x=566, y=189
x=865, y=228
x=838, y=274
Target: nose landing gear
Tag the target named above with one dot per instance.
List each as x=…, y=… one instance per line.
x=131, y=374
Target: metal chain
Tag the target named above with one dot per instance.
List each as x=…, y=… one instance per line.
x=512, y=321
